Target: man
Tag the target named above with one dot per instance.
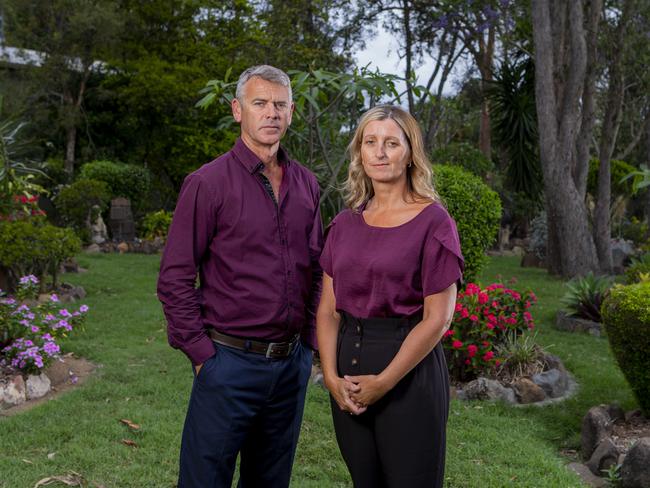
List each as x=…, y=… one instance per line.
x=249, y=222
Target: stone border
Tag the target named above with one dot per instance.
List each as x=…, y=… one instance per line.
x=567, y=323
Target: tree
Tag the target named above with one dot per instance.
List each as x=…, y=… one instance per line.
x=74, y=38
x=560, y=40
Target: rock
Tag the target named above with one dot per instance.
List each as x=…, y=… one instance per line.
x=12, y=391
x=532, y=260
x=486, y=389
x=58, y=372
x=70, y=266
x=553, y=362
x=564, y=321
x=635, y=471
x=616, y=413
x=587, y=476
x=518, y=251
x=123, y=247
x=37, y=386
x=554, y=382
x=605, y=456
x=596, y=426
x=622, y=252
x=78, y=292
x=634, y=416
x=93, y=249
x=527, y=391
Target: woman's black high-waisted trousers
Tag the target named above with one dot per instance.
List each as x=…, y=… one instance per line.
x=399, y=442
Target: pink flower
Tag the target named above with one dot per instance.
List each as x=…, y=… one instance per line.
x=497, y=362
x=473, y=318
x=457, y=344
x=490, y=325
x=472, y=289
x=464, y=313
x=467, y=361
x=471, y=350
x=527, y=316
x=459, y=307
x=492, y=318
x=488, y=356
x=449, y=333
x=483, y=298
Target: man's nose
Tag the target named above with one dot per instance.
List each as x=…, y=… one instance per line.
x=272, y=111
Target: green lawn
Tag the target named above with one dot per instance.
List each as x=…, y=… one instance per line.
x=141, y=378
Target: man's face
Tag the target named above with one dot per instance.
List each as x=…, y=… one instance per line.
x=264, y=112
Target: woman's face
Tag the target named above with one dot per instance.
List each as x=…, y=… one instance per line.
x=385, y=151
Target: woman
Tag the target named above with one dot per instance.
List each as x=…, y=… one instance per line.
x=391, y=263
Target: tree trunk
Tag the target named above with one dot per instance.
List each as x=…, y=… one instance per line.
x=71, y=142
x=571, y=249
x=611, y=124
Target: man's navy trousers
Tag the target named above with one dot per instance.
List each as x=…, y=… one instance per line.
x=243, y=402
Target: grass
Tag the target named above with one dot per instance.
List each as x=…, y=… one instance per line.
x=142, y=379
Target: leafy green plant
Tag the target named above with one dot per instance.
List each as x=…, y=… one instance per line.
x=626, y=317
x=464, y=155
x=640, y=178
x=156, y=224
x=620, y=185
x=638, y=267
x=34, y=247
x=80, y=203
x=123, y=180
x=612, y=475
x=585, y=296
x=521, y=354
x=476, y=210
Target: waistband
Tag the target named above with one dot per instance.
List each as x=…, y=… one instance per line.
x=408, y=321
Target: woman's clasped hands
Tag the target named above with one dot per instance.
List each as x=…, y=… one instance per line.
x=354, y=394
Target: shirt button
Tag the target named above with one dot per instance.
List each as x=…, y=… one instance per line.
x=354, y=361
x=357, y=345
x=358, y=329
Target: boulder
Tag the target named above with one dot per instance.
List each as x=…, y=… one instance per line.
x=635, y=471
x=532, y=260
x=486, y=389
x=37, y=386
x=622, y=252
x=123, y=247
x=12, y=391
x=527, y=391
x=554, y=382
x=564, y=321
x=616, y=413
x=93, y=249
x=58, y=372
x=605, y=456
x=553, y=362
x=587, y=476
x=596, y=426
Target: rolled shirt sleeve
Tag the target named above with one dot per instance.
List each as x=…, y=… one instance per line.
x=190, y=235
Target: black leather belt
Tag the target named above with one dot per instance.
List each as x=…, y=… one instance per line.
x=272, y=350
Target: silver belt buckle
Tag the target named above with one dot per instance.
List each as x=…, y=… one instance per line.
x=269, y=349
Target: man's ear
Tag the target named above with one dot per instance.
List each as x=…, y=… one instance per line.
x=236, y=109
x=293, y=106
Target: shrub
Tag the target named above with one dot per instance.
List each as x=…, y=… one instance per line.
x=619, y=169
x=626, y=317
x=156, y=224
x=482, y=321
x=476, y=209
x=80, y=203
x=638, y=268
x=634, y=230
x=464, y=155
x=33, y=247
x=521, y=354
x=123, y=180
x=585, y=296
x=29, y=334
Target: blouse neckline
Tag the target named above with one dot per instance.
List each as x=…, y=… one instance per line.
x=363, y=220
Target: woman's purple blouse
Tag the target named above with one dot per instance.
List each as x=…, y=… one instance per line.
x=387, y=271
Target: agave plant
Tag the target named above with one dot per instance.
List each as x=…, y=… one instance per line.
x=585, y=295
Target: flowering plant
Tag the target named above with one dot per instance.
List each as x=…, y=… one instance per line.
x=484, y=318
x=30, y=330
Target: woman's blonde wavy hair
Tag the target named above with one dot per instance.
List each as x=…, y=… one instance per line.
x=419, y=176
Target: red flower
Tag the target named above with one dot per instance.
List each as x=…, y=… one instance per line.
x=473, y=318
x=488, y=356
x=471, y=350
x=464, y=313
x=456, y=344
x=449, y=333
x=483, y=298
x=472, y=289
x=459, y=307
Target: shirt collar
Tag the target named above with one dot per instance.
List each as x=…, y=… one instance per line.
x=251, y=161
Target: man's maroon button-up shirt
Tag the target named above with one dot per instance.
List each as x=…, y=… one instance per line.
x=257, y=260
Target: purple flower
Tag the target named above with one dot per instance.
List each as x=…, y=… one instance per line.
x=63, y=324
x=49, y=317
x=35, y=329
x=51, y=348
x=30, y=316
x=54, y=298
x=24, y=322
x=25, y=280
x=83, y=308
x=64, y=313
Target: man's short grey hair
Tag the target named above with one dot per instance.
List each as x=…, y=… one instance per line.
x=266, y=72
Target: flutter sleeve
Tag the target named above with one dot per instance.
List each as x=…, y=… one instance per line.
x=442, y=260
x=326, y=258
